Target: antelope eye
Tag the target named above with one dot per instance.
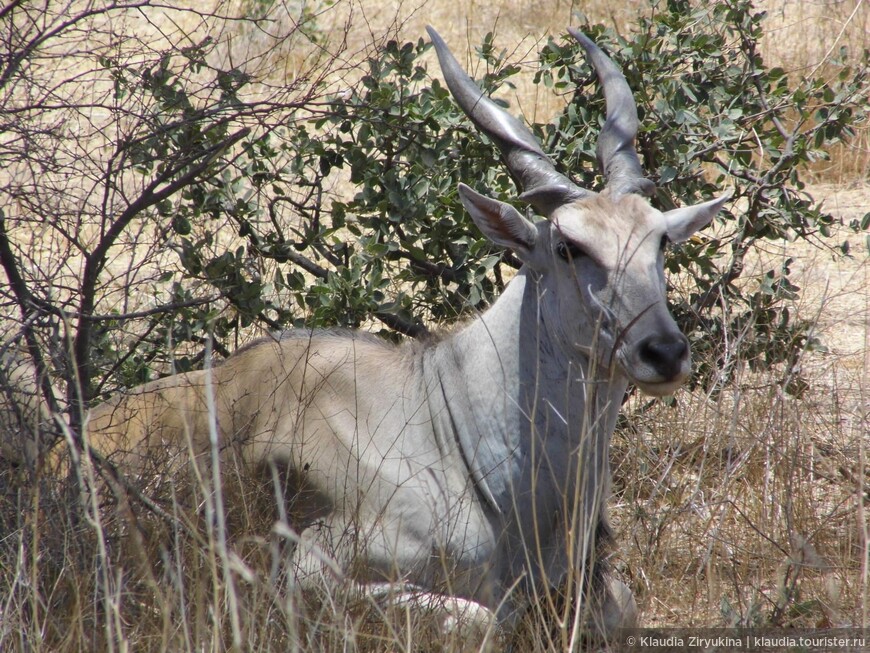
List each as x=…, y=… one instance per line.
x=663, y=245
x=568, y=251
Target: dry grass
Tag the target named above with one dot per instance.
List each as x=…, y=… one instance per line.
x=749, y=505
x=744, y=506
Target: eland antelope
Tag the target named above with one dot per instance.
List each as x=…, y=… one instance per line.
x=473, y=467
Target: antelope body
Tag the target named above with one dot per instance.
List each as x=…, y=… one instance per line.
x=475, y=466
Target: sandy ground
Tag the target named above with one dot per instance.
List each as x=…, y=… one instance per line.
x=839, y=287
x=835, y=290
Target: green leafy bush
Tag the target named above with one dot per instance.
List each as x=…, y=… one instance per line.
x=342, y=210
x=713, y=116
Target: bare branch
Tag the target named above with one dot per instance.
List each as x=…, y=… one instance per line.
x=96, y=259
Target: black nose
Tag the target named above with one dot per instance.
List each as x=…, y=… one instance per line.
x=665, y=354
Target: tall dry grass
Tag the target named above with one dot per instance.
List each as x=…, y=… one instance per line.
x=748, y=505
x=744, y=506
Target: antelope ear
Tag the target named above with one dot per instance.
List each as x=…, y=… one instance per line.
x=683, y=222
x=499, y=222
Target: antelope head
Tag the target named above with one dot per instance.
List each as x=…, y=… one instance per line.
x=598, y=257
